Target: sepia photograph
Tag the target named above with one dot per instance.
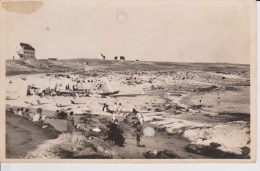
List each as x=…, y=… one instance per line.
x=146, y=80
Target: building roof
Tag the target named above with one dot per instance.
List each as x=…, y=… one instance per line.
x=26, y=46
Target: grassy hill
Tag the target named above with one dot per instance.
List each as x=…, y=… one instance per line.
x=15, y=67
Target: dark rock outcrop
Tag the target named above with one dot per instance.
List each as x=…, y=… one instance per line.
x=213, y=151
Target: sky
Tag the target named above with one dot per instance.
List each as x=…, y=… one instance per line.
x=176, y=31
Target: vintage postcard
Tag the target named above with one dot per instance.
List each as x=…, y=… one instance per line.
x=128, y=81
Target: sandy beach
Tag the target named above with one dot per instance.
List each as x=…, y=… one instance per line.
x=217, y=126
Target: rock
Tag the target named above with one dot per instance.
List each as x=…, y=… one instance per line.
x=103, y=120
x=157, y=110
x=214, y=145
x=63, y=153
x=160, y=129
x=213, y=151
x=245, y=152
x=174, y=131
x=178, y=112
x=184, y=110
x=150, y=154
x=194, y=148
x=171, y=154
x=166, y=154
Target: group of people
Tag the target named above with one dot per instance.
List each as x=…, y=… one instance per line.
x=218, y=99
x=37, y=118
x=61, y=114
x=115, y=134
x=117, y=111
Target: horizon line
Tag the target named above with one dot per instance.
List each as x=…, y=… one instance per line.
x=138, y=61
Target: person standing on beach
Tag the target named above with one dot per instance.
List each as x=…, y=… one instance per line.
x=138, y=134
x=70, y=123
x=200, y=106
x=112, y=133
x=200, y=100
x=19, y=112
x=119, y=110
x=56, y=115
x=140, y=118
x=218, y=99
x=37, y=118
x=26, y=114
x=114, y=112
x=104, y=107
x=134, y=111
x=115, y=134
